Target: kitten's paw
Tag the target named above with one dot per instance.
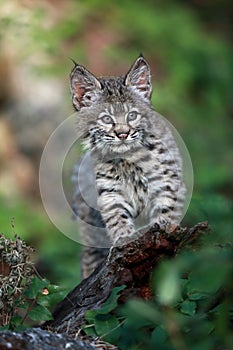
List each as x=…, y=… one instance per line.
x=171, y=228
x=166, y=225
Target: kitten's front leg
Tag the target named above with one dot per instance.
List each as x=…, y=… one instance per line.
x=116, y=213
x=166, y=208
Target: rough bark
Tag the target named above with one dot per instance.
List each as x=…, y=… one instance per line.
x=130, y=265
x=38, y=339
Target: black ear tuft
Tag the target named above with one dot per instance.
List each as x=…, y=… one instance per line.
x=74, y=62
x=139, y=78
x=84, y=87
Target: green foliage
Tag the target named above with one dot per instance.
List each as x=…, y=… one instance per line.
x=15, y=275
x=44, y=296
x=40, y=298
x=217, y=210
x=190, y=310
x=24, y=297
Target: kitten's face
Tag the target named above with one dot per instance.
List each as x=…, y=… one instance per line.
x=116, y=129
x=109, y=109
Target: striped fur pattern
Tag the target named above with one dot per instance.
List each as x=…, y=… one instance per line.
x=134, y=166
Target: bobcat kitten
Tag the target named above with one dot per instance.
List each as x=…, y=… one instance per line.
x=133, y=170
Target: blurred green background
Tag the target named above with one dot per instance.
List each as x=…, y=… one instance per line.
x=187, y=44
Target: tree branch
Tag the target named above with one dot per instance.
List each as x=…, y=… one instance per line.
x=131, y=265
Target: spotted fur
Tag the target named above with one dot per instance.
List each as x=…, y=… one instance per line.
x=132, y=174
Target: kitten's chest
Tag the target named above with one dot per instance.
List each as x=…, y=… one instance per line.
x=122, y=176
x=122, y=171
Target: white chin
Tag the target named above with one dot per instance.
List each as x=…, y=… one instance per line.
x=120, y=147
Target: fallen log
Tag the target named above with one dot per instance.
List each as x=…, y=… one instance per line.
x=130, y=265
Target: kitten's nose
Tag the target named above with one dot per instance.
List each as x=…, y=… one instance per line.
x=122, y=135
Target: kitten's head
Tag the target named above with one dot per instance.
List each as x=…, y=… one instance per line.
x=110, y=109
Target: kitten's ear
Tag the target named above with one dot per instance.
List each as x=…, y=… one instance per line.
x=139, y=77
x=84, y=87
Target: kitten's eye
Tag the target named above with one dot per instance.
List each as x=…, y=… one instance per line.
x=132, y=116
x=106, y=119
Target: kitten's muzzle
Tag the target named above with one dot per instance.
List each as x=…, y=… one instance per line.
x=122, y=135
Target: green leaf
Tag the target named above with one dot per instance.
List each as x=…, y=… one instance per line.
x=193, y=295
x=40, y=313
x=5, y=328
x=89, y=329
x=204, y=344
x=188, y=307
x=36, y=287
x=111, y=303
x=16, y=320
x=168, y=284
x=105, y=326
x=208, y=276
x=159, y=336
x=16, y=324
x=23, y=305
x=90, y=315
x=141, y=313
x=54, y=296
